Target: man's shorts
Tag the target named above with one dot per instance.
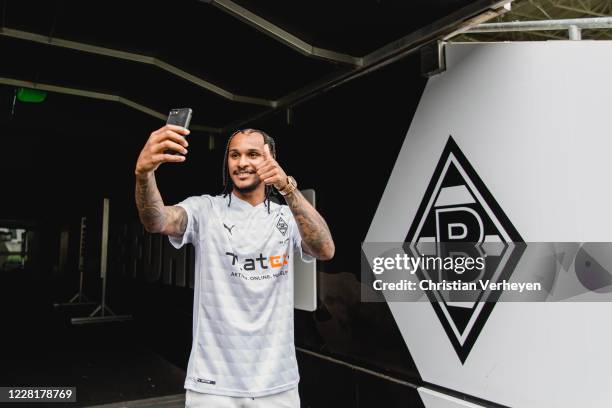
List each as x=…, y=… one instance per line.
x=285, y=399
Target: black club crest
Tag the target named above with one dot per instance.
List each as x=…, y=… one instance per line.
x=282, y=226
x=458, y=208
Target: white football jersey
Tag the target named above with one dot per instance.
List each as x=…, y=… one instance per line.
x=243, y=342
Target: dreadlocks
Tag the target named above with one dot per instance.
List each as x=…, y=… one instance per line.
x=228, y=184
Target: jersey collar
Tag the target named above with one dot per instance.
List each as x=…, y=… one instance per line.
x=246, y=204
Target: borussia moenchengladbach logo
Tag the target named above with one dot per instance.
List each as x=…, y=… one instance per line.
x=282, y=226
x=458, y=208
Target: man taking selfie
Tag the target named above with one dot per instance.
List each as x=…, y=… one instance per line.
x=243, y=352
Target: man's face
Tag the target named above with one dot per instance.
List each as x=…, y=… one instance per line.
x=244, y=153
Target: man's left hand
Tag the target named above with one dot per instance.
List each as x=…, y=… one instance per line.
x=270, y=172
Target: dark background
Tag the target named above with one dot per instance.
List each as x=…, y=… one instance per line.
x=60, y=158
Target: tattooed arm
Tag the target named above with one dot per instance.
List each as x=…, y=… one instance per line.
x=154, y=215
x=316, y=237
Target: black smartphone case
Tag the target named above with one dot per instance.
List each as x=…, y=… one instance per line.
x=180, y=117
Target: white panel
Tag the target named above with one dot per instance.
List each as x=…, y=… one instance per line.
x=455, y=194
x=533, y=119
x=305, y=279
x=104, y=250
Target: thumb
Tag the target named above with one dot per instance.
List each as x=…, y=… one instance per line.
x=266, y=153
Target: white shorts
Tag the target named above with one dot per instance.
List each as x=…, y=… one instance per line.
x=285, y=399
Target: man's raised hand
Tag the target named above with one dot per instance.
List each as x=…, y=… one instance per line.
x=165, y=138
x=270, y=172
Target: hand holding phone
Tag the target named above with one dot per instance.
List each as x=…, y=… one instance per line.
x=165, y=144
x=179, y=117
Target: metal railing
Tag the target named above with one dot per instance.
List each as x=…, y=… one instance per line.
x=574, y=26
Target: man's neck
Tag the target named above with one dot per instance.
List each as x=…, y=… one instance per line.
x=254, y=197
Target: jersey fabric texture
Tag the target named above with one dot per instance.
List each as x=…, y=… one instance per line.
x=243, y=343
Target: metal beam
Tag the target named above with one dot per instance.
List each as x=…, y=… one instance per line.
x=130, y=56
x=281, y=35
x=412, y=42
x=459, y=21
x=578, y=10
x=101, y=96
x=544, y=25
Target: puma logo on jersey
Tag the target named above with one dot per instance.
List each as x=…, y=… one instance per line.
x=228, y=228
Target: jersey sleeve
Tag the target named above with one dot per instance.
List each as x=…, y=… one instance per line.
x=198, y=210
x=296, y=241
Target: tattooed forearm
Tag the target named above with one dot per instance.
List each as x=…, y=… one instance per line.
x=316, y=237
x=153, y=214
x=149, y=203
x=177, y=221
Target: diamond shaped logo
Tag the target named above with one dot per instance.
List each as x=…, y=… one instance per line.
x=282, y=226
x=458, y=216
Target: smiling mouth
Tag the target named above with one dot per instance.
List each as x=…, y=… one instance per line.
x=243, y=174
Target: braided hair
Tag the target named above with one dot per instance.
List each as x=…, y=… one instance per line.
x=228, y=184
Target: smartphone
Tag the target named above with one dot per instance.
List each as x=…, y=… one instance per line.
x=180, y=117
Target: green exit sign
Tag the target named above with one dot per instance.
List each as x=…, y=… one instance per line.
x=30, y=95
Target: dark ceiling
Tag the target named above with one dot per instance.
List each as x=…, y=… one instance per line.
x=204, y=40
x=355, y=27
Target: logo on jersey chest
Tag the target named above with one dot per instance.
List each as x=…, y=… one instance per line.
x=282, y=226
x=268, y=262
x=228, y=228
